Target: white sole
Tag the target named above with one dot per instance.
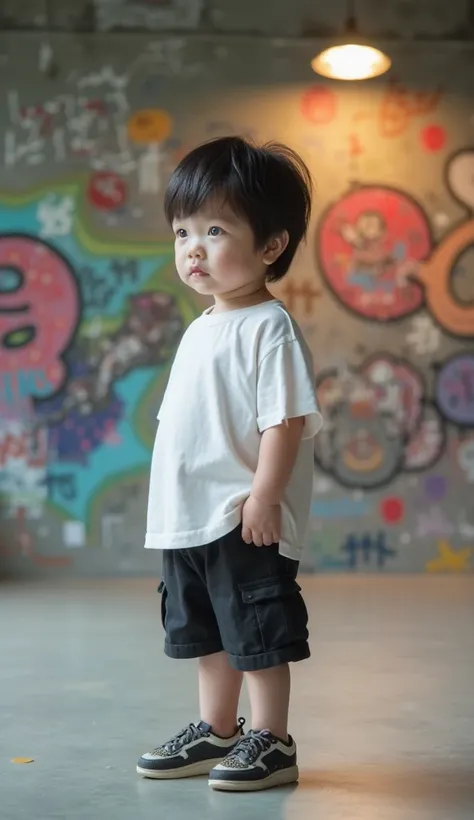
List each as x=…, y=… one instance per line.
x=193, y=770
x=281, y=778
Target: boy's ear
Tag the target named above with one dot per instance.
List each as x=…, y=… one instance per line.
x=275, y=247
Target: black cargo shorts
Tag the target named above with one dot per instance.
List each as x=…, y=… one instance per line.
x=235, y=597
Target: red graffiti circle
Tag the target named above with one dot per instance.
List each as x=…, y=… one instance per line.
x=392, y=510
x=107, y=191
x=370, y=244
x=433, y=138
x=319, y=105
x=39, y=311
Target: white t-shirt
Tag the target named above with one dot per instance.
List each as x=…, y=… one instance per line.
x=235, y=374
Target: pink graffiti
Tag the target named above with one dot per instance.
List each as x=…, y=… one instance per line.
x=370, y=243
x=39, y=311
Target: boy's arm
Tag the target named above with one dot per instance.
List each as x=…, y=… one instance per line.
x=277, y=455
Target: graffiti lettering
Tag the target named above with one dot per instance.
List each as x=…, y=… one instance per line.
x=399, y=106
x=39, y=317
x=70, y=126
x=125, y=270
x=15, y=387
x=363, y=548
x=97, y=289
x=64, y=486
x=306, y=292
x=435, y=275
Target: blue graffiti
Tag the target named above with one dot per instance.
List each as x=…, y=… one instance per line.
x=360, y=549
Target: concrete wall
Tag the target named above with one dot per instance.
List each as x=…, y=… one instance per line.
x=91, y=312
x=392, y=18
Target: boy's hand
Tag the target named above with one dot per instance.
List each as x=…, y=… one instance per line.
x=260, y=522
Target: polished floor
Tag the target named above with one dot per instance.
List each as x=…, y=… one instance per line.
x=383, y=712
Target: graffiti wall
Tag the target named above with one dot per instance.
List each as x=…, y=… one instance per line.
x=91, y=310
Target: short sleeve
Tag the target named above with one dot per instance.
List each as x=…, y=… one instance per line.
x=286, y=388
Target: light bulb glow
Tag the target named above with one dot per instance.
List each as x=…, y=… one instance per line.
x=351, y=62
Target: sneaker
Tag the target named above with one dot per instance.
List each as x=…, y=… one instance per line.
x=193, y=751
x=259, y=761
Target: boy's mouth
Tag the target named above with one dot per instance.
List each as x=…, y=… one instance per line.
x=198, y=272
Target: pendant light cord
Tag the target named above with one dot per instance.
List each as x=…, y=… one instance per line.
x=351, y=22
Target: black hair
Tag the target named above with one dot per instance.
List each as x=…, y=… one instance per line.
x=269, y=186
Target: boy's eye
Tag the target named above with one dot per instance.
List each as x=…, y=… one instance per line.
x=215, y=231
x=181, y=233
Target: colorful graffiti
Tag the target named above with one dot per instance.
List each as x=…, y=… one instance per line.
x=86, y=328
x=378, y=423
x=91, y=311
x=369, y=242
x=377, y=255
x=92, y=125
x=454, y=390
x=361, y=550
x=450, y=559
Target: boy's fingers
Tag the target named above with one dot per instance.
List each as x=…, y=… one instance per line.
x=257, y=539
x=246, y=535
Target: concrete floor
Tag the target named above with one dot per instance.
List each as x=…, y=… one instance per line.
x=383, y=712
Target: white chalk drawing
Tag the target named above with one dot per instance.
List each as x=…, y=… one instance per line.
x=433, y=523
x=88, y=125
x=74, y=534
x=424, y=337
x=55, y=215
x=151, y=167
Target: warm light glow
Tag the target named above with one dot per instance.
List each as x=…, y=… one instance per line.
x=351, y=62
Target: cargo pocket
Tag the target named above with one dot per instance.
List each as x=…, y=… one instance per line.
x=164, y=594
x=278, y=611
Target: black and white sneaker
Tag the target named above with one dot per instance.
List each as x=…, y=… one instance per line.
x=259, y=761
x=193, y=751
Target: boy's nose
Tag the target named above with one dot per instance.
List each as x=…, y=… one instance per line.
x=196, y=253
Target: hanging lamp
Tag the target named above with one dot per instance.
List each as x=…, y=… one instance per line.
x=351, y=58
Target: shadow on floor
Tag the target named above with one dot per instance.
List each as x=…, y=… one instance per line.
x=448, y=784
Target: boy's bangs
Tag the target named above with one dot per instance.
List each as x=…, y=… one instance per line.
x=191, y=187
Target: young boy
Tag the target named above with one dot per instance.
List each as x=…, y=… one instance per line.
x=232, y=467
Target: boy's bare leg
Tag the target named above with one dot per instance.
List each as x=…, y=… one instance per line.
x=219, y=693
x=269, y=693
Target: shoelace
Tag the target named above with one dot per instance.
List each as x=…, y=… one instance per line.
x=186, y=735
x=251, y=746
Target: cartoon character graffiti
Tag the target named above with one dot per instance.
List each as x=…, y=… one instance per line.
x=377, y=254
x=377, y=423
x=369, y=244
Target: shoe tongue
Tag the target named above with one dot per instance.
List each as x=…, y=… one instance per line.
x=204, y=726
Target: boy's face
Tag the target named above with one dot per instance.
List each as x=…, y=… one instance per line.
x=215, y=252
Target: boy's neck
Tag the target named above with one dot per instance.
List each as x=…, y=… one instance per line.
x=225, y=302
